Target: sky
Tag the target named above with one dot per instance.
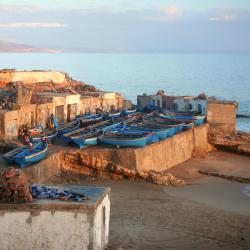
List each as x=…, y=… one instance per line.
x=150, y=26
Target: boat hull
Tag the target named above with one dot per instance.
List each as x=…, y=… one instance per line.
x=28, y=156
x=135, y=143
x=69, y=129
x=49, y=138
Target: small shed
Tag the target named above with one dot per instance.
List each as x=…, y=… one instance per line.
x=57, y=225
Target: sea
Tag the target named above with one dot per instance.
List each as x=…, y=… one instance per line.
x=225, y=76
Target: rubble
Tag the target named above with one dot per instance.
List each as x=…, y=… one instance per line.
x=14, y=187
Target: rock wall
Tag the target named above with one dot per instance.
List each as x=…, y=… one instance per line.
x=157, y=157
x=30, y=77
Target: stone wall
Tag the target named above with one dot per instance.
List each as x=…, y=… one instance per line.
x=30, y=77
x=155, y=157
x=221, y=117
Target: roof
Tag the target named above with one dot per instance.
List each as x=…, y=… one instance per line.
x=54, y=94
x=95, y=195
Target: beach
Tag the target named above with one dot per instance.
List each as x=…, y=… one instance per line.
x=207, y=213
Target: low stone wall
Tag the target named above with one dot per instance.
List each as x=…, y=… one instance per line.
x=157, y=157
x=30, y=77
x=44, y=170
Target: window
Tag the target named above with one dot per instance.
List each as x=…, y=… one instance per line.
x=190, y=106
x=164, y=104
x=176, y=107
x=158, y=103
x=199, y=108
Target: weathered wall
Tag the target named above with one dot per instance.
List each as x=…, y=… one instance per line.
x=9, y=125
x=221, y=117
x=158, y=157
x=45, y=169
x=57, y=229
x=30, y=77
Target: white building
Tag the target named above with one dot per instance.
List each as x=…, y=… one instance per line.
x=57, y=225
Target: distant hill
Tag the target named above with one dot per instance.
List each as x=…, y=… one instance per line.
x=10, y=47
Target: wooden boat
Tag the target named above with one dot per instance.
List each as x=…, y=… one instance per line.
x=35, y=131
x=112, y=115
x=68, y=127
x=128, y=139
x=129, y=111
x=162, y=133
x=188, y=124
x=198, y=120
x=25, y=156
x=49, y=136
x=175, y=129
x=89, y=119
x=88, y=135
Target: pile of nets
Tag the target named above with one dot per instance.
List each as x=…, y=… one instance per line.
x=44, y=192
x=14, y=187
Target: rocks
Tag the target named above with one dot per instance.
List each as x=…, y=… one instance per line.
x=165, y=179
x=238, y=143
x=228, y=177
x=91, y=166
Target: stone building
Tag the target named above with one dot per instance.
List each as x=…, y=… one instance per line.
x=33, y=107
x=174, y=103
x=55, y=224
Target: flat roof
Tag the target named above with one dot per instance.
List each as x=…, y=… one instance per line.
x=55, y=94
x=95, y=194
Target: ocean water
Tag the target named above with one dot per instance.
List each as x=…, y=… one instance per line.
x=226, y=76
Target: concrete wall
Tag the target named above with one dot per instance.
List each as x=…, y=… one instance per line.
x=158, y=157
x=221, y=117
x=57, y=229
x=30, y=77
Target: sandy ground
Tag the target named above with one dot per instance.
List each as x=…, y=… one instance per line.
x=209, y=213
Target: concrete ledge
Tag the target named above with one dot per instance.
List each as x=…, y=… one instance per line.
x=157, y=157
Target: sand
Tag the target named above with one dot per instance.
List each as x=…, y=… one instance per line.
x=209, y=213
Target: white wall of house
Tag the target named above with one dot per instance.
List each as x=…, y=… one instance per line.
x=190, y=104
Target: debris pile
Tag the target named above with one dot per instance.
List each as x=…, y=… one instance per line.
x=14, y=187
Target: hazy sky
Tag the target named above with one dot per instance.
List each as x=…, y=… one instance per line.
x=129, y=25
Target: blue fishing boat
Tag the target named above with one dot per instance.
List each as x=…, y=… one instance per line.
x=112, y=115
x=89, y=119
x=187, y=124
x=128, y=138
x=173, y=129
x=68, y=127
x=49, y=136
x=88, y=135
x=25, y=156
x=162, y=133
x=198, y=120
x=129, y=111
